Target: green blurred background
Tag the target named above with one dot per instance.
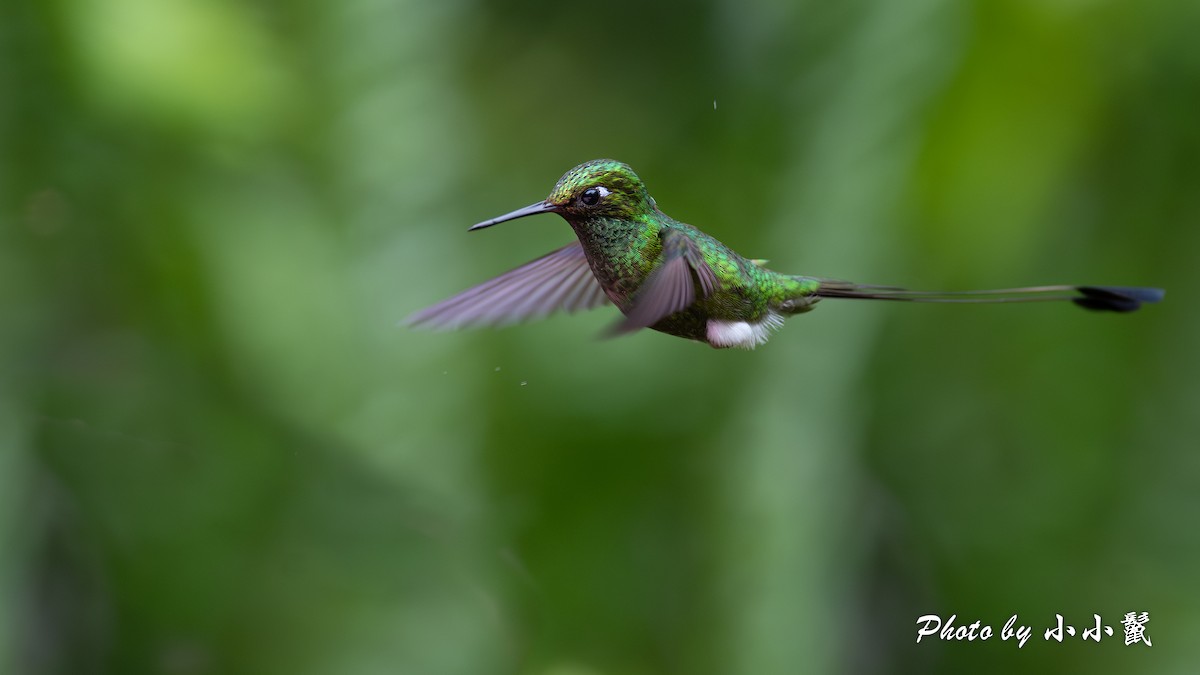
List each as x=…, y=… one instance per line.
x=219, y=453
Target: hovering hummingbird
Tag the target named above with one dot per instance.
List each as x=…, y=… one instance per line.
x=671, y=277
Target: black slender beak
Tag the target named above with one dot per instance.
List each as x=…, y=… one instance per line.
x=532, y=209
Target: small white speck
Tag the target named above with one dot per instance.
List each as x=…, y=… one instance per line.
x=714, y=104
x=523, y=383
x=497, y=369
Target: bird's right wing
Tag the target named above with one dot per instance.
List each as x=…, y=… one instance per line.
x=671, y=287
x=560, y=280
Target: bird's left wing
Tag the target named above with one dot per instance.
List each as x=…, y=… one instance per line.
x=672, y=285
x=560, y=280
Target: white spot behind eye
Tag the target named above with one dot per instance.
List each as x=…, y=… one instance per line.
x=602, y=190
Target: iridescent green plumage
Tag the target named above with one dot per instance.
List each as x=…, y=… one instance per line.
x=671, y=277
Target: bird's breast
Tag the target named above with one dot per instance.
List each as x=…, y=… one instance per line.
x=621, y=256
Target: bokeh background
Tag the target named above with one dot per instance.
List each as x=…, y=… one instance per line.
x=220, y=453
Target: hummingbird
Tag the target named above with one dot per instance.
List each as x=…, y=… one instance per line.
x=671, y=277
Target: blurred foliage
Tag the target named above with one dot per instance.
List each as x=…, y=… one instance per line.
x=220, y=454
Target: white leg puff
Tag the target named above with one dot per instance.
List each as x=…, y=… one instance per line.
x=742, y=334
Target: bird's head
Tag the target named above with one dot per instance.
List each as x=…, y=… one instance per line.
x=601, y=188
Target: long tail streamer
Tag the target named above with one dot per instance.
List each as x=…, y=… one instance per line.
x=1099, y=298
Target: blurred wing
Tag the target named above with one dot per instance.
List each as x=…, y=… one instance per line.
x=560, y=280
x=672, y=285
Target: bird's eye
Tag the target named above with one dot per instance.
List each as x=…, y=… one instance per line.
x=592, y=195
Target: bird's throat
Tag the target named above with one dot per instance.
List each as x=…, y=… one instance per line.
x=621, y=252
